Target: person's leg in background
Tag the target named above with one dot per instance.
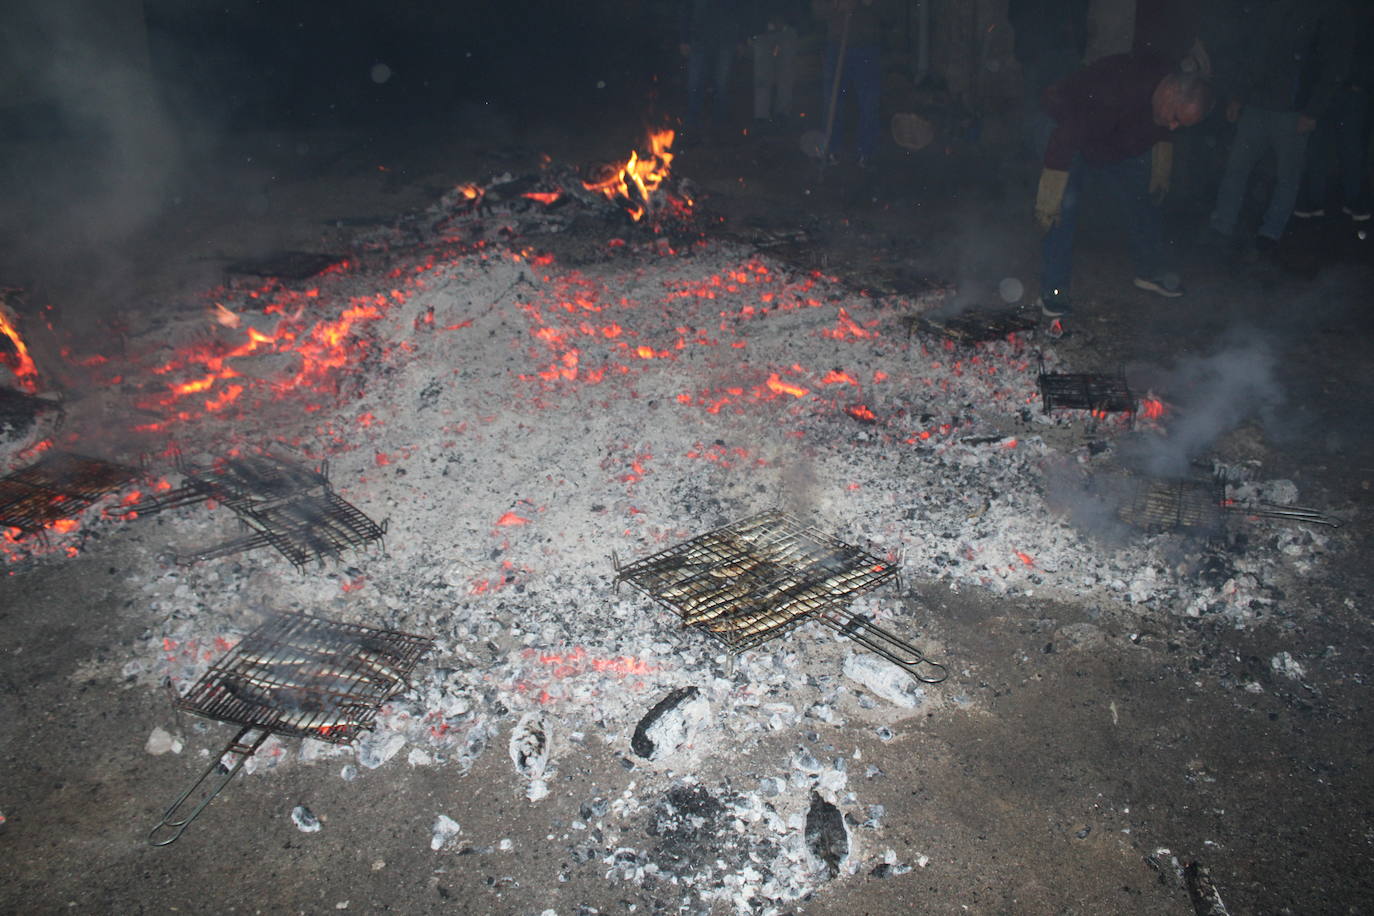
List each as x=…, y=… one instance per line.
x=1056, y=270
x=1131, y=179
x=723, y=67
x=696, y=87
x=1317, y=165
x=1247, y=144
x=785, y=72
x=865, y=76
x=1353, y=145
x=765, y=56
x=1130, y=184
x=1290, y=146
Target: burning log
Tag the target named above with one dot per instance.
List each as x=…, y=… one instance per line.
x=14, y=353
x=631, y=185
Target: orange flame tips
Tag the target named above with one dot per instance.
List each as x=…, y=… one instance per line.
x=634, y=183
x=860, y=412
x=25, y=372
x=778, y=385
x=1152, y=408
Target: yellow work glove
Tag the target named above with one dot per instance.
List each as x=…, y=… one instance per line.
x=1161, y=167
x=1049, y=199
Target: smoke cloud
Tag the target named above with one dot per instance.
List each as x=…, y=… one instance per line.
x=93, y=154
x=1212, y=395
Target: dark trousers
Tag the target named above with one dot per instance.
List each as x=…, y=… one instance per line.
x=1339, y=141
x=708, y=61
x=1129, y=182
x=860, y=83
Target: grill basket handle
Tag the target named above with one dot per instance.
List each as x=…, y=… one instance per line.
x=179, y=816
x=883, y=642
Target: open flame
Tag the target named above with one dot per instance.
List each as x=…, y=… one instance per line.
x=20, y=363
x=633, y=184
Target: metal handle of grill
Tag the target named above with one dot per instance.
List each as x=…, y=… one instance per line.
x=1286, y=513
x=179, y=816
x=883, y=642
x=226, y=549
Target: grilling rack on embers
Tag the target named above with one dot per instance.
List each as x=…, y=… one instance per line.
x=295, y=675
x=758, y=578
x=1199, y=506
x=279, y=504
x=59, y=486
x=972, y=327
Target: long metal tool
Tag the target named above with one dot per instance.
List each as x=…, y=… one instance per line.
x=818, y=146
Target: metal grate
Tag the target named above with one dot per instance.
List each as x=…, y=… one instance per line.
x=294, y=675
x=748, y=582
x=239, y=483
x=1201, y=507
x=306, y=676
x=282, y=505
x=1159, y=505
x=1083, y=391
x=60, y=486
x=972, y=327
x=308, y=528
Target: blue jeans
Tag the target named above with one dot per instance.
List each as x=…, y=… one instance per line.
x=1129, y=181
x=1257, y=131
x=861, y=81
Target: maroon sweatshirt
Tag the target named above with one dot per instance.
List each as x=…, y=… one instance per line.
x=1104, y=111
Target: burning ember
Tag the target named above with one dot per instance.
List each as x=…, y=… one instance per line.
x=19, y=362
x=633, y=184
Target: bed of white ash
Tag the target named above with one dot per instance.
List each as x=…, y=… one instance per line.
x=518, y=423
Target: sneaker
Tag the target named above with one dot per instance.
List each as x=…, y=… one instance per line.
x=1358, y=214
x=1055, y=305
x=1165, y=285
x=1309, y=213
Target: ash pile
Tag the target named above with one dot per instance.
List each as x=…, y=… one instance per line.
x=517, y=420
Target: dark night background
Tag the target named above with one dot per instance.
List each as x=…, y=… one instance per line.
x=309, y=64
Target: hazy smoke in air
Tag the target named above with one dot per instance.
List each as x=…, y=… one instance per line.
x=101, y=155
x=799, y=486
x=980, y=253
x=1089, y=502
x=1213, y=395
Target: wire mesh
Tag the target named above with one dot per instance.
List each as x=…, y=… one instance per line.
x=307, y=676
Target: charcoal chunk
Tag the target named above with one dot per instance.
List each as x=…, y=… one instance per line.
x=640, y=742
x=826, y=835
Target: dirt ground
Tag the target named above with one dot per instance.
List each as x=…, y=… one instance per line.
x=1106, y=748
